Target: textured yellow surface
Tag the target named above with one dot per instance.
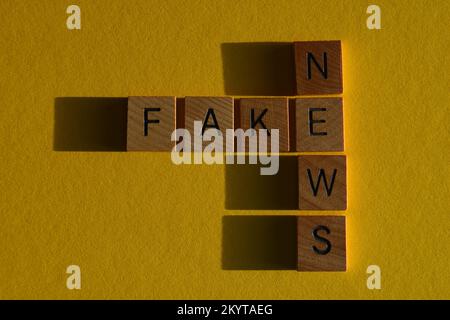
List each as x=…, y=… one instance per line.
x=141, y=227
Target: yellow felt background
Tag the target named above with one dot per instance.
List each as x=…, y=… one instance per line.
x=141, y=227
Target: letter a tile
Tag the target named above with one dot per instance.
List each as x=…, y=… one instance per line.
x=213, y=113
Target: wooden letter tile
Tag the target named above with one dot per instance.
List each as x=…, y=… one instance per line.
x=319, y=125
x=151, y=121
x=322, y=182
x=318, y=67
x=321, y=243
x=271, y=113
x=212, y=112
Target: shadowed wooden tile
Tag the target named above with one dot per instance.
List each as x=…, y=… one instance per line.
x=212, y=112
x=318, y=67
x=322, y=182
x=261, y=113
x=151, y=121
x=321, y=243
x=319, y=124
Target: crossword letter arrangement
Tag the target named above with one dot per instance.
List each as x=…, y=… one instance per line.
x=305, y=124
x=315, y=123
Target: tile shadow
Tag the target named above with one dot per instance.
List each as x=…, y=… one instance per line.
x=259, y=243
x=90, y=124
x=246, y=189
x=259, y=69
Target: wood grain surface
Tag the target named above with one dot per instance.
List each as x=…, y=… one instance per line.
x=319, y=124
x=321, y=243
x=275, y=117
x=158, y=134
x=322, y=182
x=196, y=109
x=318, y=67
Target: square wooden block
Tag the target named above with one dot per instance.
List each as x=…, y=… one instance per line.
x=150, y=123
x=321, y=243
x=319, y=124
x=318, y=67
x=212, y=112
x=265, y=113
x=322, y=182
